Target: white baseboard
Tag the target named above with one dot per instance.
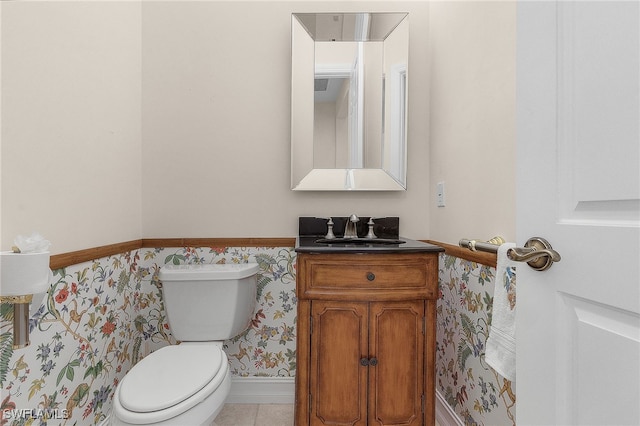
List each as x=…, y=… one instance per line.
x=262, y=390
x=445, y=416
x=281, y=390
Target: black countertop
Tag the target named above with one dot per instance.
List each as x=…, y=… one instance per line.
x=308, y=244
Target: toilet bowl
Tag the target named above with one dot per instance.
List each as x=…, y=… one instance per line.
x=187, y=384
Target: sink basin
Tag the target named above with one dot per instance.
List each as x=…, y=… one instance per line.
x=363, y=241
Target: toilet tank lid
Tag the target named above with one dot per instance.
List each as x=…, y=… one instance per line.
x=202, y=272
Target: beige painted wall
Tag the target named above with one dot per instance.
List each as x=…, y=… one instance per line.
x=472, y=119
x=216, y=122
x=123, y=120
x=71, y=135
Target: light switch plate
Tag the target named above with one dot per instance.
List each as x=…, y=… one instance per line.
x=440, y=194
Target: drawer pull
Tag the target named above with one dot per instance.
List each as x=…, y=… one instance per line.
x=371, y=276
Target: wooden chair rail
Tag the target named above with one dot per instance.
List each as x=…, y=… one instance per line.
x=64, y=260
x=72, y=258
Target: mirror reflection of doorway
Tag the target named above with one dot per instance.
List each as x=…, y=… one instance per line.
x=337, y=118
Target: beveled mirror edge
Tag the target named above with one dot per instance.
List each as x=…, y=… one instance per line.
x=348, y=180
x=371, y=179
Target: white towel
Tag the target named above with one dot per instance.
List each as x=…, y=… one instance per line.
x=501, y=343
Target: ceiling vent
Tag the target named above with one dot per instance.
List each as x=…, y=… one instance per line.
x=321, y=84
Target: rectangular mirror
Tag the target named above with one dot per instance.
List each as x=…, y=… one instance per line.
x=349, y=101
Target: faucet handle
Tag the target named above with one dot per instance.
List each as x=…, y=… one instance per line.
x=330, y=235
x=371, y=234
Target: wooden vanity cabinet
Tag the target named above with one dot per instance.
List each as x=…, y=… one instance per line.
x=366, y=339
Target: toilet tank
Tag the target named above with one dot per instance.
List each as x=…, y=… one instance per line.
x=209, y=302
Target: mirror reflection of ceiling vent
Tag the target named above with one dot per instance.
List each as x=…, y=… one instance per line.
x=321, y=84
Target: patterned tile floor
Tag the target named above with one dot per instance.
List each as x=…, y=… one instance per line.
x=255, y=415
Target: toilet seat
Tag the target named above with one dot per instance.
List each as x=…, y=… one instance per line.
x=169, y=382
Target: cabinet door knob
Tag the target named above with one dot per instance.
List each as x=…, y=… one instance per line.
x=371, y=276
x=364, y=362
x=373, y=361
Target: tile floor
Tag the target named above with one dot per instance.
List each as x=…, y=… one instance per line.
x=256, y=415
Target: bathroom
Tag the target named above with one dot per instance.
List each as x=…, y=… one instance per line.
x=160, y=131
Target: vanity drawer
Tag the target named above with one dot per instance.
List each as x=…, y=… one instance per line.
x=367, y=276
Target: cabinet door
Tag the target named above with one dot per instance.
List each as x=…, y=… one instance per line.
x=338, y=381
x=396, y=380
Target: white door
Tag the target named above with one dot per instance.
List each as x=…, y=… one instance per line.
x=578, y=172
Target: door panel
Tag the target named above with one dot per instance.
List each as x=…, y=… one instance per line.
x=396, y=381
x=338, y=382
x=610, y=338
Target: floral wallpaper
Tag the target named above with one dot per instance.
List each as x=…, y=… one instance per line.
x=99, y=318
x=473, y=389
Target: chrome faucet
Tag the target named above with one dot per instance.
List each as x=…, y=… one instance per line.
x=351, y=229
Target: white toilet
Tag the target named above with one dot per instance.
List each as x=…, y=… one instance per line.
x=187, y=384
